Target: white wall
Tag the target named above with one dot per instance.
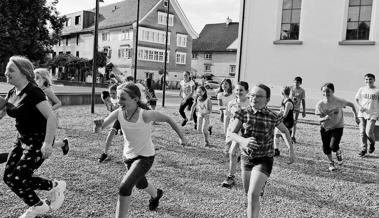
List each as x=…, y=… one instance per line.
x=220, y=63
x=318, y=60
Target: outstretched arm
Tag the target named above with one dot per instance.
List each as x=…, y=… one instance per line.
x=103, y=123
x=350, y=104
x=56, y=103
x=151, y=116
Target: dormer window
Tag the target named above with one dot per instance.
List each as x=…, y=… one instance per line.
x=165, y=3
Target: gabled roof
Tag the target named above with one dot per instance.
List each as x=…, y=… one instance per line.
x=216, y=37
x=122, y=13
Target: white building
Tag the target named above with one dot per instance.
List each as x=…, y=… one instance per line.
x=319, y=40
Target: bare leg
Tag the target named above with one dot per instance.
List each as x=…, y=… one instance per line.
x=253, y=184
x=122, y=207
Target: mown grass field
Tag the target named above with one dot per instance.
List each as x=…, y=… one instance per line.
x=190, y=176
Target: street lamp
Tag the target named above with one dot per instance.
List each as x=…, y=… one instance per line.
x=165, y=56
x=94, y=60
x=136, y=47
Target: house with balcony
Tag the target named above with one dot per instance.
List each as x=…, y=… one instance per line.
x=319, y=40
x=215, y=50
x=117, y=38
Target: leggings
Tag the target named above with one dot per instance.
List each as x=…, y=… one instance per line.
x=137, y=169
x=24, y=159
x=188, y=103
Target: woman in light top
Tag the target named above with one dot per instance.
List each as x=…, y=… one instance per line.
x=139, y=152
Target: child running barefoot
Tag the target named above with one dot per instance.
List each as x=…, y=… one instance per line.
x=286, y=110
x=256, y=144
x=139, y=150
x=43, y=81
x=231, y=147
x=111, y=102
x=203, y=105
x=331, y=118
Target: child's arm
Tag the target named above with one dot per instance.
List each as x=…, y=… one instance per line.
x=287, y=109
x=282, y=128
x=303, y=103
x=103, y=123
x=56, y=103
x=151, y=116
x=350, y=104
x=235, y=127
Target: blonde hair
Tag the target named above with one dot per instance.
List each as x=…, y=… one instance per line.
x=24, y=65
x=44, y=74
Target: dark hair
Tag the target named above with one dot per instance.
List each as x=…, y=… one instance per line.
x=134, y=92
x=149, y=82
x=329, y=86
x=244, y=84
x=230, y=91
x=187, y=73
x=299, y=79
x=104, y=95
x=370, y=75
x=113, y=87
x=286, y=90
x=205, y=96
x=130, y=78
x=266, y=88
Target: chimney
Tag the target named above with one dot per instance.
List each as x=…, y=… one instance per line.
x=228, y=20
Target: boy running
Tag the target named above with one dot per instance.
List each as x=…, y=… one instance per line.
x=298, y=97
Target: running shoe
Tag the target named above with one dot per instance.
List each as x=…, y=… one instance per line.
x=65, y=147
x=339, y=157
x=154, y=202
x=228, y=182
x=103, y=157
x=332, y=167
x=36, y=210
x=362, y=153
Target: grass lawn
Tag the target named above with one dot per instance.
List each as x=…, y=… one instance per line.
x=190, y=176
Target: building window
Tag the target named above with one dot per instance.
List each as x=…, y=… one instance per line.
x=194, y=55
x=59, y=42
x=68, y=52
x=207, y=68
x=67, y=41
x=181, y=40
x=208, y=56
x=154, y=36
x=107, y=50
x=77, y=39
x=77, y=20
x=152, y=54
x=125, y=35
x=232, y=70
x=60, y=53
x=162, y=18
x=125, y=52
x=181, y=58
x=165, y=3
x=358, y=20
x=290, y=20
x=68, y=22
x=105, y=36
x=77, y=53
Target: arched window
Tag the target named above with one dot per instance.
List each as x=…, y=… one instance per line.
x=358, y=20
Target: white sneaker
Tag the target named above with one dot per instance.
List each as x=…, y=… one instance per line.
x=56, y=195
x=332, y=167
x=35, y=210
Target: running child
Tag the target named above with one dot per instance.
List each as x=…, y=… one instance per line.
x=256, y=144
x=231, y=150
x=286, y=110
x=329, y=109
x=298, y=97
x=43, y=80
x=224, y=96
x=187, y=89
x=367, y=99
x=139, y=152
x=203, y=105
x=111, y=102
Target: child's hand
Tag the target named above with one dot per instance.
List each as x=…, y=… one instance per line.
x=98, y=125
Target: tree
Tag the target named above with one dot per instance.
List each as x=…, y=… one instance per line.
x=28, y=28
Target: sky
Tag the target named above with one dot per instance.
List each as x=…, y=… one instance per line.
x=198, y=12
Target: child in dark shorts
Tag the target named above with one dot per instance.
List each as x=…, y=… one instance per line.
x=256, y=144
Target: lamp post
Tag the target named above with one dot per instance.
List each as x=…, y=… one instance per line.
x=94, y=60
x=136, y=47
x=165, y=56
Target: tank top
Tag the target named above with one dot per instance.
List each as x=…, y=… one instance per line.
x=202, y=107
x=288, y=120
x=137, y=136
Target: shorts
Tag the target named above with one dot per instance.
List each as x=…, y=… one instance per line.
x=116, y=126
x=331, y=139
x=261, y=164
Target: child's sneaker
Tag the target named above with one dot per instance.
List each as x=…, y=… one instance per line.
x=372, y=148
x=228, y=182
x=332, y=167
x=195, y=127
x=38, y=209
x=276, y=152
x=56, y=195
x=293, y=140
x=65, y=147
x=184, y=122
x=362, y=153
x=103, y=157
x=154, y=202
x=339, y=157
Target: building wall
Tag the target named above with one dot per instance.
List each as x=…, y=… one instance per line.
x=319, y=59
x=220, y=64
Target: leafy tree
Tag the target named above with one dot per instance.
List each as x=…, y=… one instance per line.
x=29, y=28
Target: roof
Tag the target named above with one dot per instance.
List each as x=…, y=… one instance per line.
x=122, y=13
x=216, y=37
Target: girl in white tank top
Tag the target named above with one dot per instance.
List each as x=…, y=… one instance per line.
x=138, y=146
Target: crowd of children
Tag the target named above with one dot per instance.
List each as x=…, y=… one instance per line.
x=252, y=131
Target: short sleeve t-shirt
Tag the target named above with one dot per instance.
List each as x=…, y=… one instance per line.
x=334, y=110
x=187, y=88
x=369, y=99
x=225, y=99
x=297, y=95
x=203, y=106
x=235, y=105
x=23, y=107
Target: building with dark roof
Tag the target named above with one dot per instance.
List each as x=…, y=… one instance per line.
x=215, y=50
x=117, y=31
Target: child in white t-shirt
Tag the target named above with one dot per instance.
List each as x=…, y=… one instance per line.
x=224, y=96
x=203, y=105
x=367, y=99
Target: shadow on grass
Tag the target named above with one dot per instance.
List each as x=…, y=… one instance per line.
x=307, y=195
x=184, y=213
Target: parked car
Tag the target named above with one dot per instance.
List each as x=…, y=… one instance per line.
x=212, y=88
